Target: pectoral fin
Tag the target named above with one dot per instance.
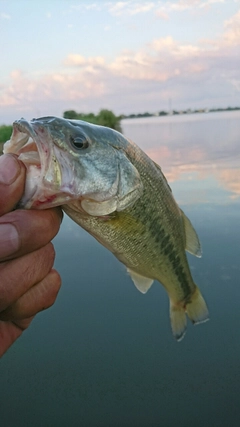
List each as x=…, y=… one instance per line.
x=142, y=283
x=193, y=245
x=99, y=208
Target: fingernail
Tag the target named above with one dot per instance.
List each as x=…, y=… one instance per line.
x=9, y=240
x=9, y=169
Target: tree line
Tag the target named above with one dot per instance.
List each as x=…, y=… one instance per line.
x=104, y=118
x=107, y=118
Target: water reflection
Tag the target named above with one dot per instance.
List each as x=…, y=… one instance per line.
x=203, y=148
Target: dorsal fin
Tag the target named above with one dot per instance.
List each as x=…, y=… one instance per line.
x=142, y=283
x=193, y=245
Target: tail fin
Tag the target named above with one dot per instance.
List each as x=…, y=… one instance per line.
x=178, y=321
x=196, y=310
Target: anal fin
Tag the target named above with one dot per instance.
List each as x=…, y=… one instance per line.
x=142, y=283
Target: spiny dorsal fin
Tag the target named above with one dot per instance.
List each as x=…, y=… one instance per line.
x=193, y=245
x=142, y=283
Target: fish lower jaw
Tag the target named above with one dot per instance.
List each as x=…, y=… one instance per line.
x=44, y=198
x=43, y=203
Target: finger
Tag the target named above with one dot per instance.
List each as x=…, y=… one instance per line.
x=37, y=298
x=22, y=231
x=20, y=274
x=10, y=331
x=12, y=182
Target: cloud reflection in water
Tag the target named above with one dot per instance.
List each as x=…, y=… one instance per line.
x=198, y=153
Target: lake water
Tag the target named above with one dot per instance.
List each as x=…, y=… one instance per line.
x=104, y=355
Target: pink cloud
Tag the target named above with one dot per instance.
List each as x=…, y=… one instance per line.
x=129, y=7
x=232, y=30
x=76, y=60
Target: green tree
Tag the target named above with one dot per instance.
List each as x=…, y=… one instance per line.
x=70, y=114
x=104, y=118
x=107, y=118
x=5, y=133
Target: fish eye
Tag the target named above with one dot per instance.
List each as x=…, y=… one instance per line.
x=79, y=142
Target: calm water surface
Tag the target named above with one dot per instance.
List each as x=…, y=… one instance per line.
x=104, y=354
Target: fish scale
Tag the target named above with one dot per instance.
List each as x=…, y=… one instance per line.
x=140, y=225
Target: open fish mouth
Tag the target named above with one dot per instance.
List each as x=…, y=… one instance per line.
x=64, y=164
x=23, y=143
x=32, y=144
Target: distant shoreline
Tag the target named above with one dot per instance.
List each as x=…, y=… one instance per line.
x=167, y=115
x=179, y=112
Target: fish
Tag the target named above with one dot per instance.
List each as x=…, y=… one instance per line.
x=111, y=188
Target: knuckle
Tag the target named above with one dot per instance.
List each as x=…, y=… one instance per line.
x=54, y=284
x=55, y=218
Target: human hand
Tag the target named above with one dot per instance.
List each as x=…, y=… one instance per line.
x=28, y=284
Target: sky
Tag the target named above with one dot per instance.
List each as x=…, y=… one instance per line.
x=127, y=56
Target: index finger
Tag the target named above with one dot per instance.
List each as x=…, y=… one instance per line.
x=32, y=229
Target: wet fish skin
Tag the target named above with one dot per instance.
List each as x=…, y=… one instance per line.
x=149, y=238
x=122, y=198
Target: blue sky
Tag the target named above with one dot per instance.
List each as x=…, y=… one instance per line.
x=128, y=56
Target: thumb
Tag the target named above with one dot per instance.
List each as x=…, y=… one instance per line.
x=12, y=181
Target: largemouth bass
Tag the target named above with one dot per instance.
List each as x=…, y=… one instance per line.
x=112, y=189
